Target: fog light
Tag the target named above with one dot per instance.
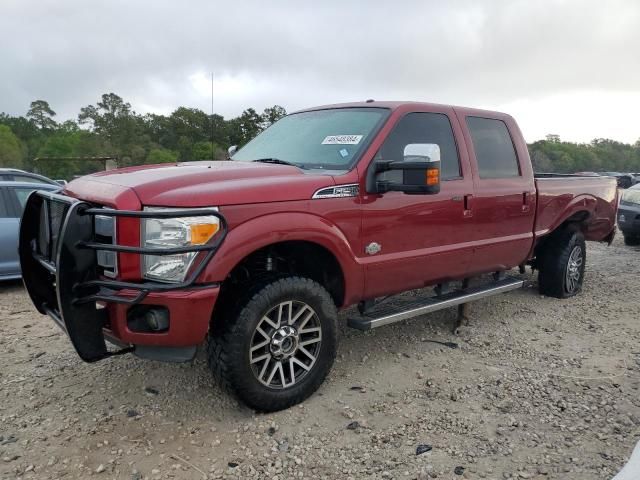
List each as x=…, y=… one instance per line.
x=157, y=319
x=148, y=319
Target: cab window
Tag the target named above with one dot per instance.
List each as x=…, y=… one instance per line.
x=421, y=127
x=495, y=153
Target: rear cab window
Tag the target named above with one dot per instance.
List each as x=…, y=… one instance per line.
x=495, y=153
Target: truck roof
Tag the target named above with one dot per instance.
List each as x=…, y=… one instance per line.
x=395, y=105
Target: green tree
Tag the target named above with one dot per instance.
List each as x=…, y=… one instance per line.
x=184, y=148
x=111, y=118
x=10, y=148
x=162, y=155
x=41, y=114
x=208, y=151
x=203, y=151
x=105, y=116
x=118, y=126
x=219, y=130
x=245, y=127
x=540, y=162
x=271, y=115
x=30, y=136
x=60, y=144
x=192, y=123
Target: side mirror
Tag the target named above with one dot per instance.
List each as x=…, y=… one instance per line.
x=231, y=151
x=420, y=170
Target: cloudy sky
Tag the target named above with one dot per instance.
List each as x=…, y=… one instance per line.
x=559, y=66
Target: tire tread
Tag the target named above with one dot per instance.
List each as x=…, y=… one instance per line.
x=555, y=257
x=222, y=347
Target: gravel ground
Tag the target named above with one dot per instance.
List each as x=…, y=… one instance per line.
x=537, y=388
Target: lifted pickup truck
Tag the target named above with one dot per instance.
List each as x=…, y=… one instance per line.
x=329, y=207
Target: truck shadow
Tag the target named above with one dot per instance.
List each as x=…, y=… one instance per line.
x=187, y=392
x=11, y=286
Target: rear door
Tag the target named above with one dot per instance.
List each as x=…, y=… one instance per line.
x=9, y=222
x=503, y=205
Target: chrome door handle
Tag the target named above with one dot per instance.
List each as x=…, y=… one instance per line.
x=468, y=212
x=525, y=202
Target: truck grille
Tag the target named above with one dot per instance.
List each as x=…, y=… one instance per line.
x=68, y=246
x=105, y=232
x=52, y=215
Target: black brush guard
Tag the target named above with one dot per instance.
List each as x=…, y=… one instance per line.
x=58, y=246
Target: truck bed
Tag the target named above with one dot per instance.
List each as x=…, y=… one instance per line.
x=586, y=198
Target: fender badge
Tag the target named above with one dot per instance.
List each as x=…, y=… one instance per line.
x=373, y=248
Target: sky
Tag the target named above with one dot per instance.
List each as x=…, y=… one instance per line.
x=567, y=67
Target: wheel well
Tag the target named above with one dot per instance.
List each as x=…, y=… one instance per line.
x=302, y=258
x=577, y=221
x=577, y=218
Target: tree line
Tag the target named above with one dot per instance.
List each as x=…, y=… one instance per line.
x=600, y=155
x=112, y=128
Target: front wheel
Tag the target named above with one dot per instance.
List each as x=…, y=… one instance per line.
x=562, y=264
x=278, y=346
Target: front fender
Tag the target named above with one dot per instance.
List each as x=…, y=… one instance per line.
x=259, y=232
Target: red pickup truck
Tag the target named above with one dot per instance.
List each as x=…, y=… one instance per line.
x=329, y=207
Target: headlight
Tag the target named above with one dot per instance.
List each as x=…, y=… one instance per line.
x=631, y=196
x=174, y=232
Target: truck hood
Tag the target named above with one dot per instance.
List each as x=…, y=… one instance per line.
x=200, y=184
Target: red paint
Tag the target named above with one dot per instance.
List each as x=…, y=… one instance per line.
x=493, y=225
x=189, y=315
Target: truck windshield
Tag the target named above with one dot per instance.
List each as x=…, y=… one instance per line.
x=330, y=139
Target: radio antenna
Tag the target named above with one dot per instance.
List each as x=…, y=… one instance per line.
x=212, y=147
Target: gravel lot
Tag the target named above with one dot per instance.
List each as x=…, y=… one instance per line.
x=538, y=388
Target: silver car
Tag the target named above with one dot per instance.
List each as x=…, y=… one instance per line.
x=13, y=196
x=15, y=175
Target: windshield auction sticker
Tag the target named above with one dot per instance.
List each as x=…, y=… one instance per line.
x=342, y=140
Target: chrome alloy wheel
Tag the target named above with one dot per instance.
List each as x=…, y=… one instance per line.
x=574, y=270
x=285, y=344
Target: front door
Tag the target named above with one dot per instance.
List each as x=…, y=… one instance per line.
x=410, y=241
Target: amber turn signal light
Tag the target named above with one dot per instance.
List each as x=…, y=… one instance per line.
x=201, y=233
x=432, y=176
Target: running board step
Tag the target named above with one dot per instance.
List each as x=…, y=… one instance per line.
x=385, y=316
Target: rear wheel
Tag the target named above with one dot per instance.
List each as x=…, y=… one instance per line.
x=278, y=346
x=562, y=264
x=631, y=240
